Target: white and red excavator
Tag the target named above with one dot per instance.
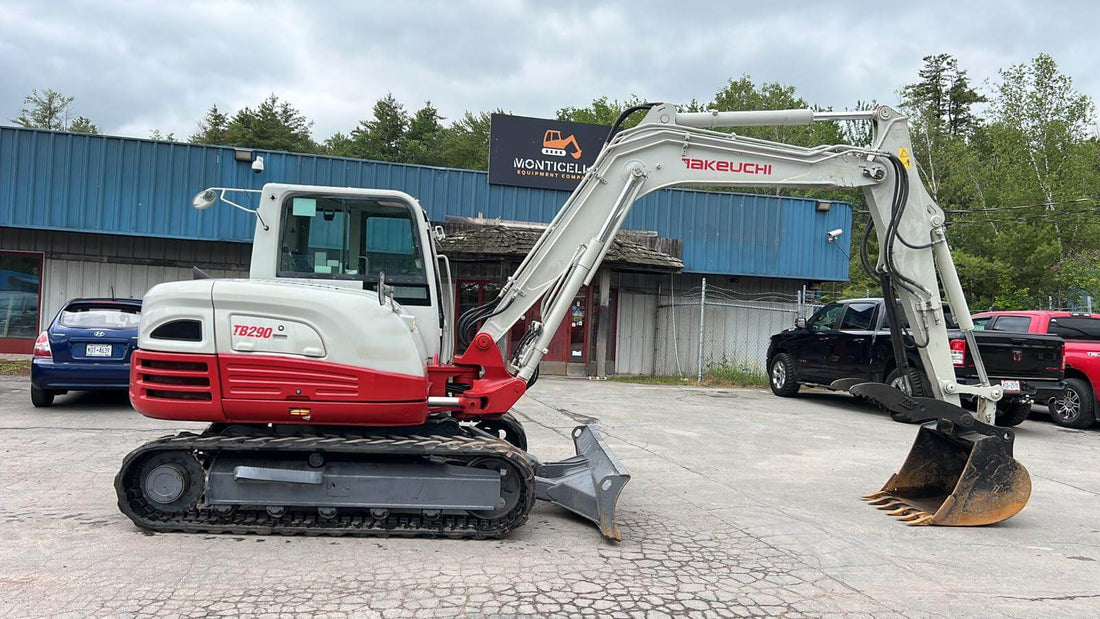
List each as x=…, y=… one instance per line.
x=338, y=404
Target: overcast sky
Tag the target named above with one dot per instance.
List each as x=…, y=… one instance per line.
x=138, y=66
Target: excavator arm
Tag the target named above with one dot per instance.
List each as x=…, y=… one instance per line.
x=669, y=148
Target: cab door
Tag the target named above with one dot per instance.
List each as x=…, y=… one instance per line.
x=849, y=354
x=822, y=330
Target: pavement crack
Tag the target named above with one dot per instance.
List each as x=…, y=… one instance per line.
x=1052, y=598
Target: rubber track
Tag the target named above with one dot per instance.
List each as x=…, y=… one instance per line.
x=305, y=521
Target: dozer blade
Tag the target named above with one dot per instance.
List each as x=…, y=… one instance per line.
x=960, y=472
x=587, y=484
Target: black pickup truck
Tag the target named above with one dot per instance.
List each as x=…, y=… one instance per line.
x=851, y=339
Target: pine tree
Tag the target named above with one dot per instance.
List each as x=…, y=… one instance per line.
x=274, y=125
x=381, y=138
x=212, y=128
x=420, y=144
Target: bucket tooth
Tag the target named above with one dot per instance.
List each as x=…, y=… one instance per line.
x=901, y=511
x=884, y=500
x=893, y=504
x=924, y=519
x=874, y=495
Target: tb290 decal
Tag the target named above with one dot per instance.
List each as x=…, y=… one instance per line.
x=252, y=331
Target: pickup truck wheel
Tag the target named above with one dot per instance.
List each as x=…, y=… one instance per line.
x=1012, y=413
x=41, y=398
x=916, y=386
x=781, y=376
x=1075, y=408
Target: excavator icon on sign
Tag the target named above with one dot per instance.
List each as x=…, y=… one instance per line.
x=553, y=144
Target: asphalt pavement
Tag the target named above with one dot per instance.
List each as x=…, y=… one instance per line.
x=741, y=503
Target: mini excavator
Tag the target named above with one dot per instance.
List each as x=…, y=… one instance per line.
x=339, y=403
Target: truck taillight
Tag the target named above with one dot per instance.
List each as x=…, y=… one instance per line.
x=42, y=346
x=958, y=352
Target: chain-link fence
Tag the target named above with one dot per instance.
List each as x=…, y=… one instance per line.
x=710, y=331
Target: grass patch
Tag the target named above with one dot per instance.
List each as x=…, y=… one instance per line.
x=15, y=367
x=651, y=380
x=724, y=375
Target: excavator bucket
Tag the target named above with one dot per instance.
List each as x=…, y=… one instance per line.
x=960, y=472
x=588, y=484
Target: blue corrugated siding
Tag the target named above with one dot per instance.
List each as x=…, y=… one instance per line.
x=64, y=181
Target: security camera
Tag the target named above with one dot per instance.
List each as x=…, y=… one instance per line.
x=258, y=165
x=831, y=234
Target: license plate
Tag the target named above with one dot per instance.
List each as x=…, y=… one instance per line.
x=98, y=350
x=1011, y=386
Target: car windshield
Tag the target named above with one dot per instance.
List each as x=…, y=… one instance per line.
x=100, y=317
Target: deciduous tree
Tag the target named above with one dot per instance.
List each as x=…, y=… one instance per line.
x=51, y=110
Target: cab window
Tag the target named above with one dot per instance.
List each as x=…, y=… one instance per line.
x=333, y=237
x=1076, y=328
x=859, y=317
x=981, y=324
x=826, y=318
x=1012, y=324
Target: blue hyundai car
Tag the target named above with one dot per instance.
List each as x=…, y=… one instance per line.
x=86, y=348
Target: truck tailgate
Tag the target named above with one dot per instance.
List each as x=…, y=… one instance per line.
x=1015, y=355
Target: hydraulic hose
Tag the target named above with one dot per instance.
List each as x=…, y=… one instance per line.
x=617, y=127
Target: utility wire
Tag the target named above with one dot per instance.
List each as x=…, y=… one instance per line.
x=1026, y=218
x=994, y=209
x=1023, y=206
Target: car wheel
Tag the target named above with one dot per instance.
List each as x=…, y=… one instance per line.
x=41, y=398
x=910, y=382
x=1075, y=408
x=781, y=376
x=1012, y=413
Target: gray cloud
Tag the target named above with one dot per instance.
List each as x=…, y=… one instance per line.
x=139, y=66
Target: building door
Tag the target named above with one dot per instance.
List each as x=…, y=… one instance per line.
x=20, y=299
x=568, y=345
x=572, y=340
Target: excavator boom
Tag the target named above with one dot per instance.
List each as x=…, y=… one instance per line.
x=669, y=148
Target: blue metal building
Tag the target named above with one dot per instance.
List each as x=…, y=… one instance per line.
x=121, y=207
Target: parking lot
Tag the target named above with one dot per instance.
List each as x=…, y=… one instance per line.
x=741, y=503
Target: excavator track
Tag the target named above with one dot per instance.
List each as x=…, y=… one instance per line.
x=202, y=518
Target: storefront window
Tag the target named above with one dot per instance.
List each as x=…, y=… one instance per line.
x=20, y=278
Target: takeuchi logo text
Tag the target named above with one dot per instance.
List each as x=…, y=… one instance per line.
x=735, y=167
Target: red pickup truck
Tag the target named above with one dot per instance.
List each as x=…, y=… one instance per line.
x=1077, y=406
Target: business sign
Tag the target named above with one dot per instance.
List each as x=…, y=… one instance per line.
x=547, y=154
